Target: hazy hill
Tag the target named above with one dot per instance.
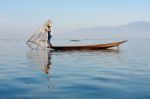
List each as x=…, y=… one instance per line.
x=139, y=29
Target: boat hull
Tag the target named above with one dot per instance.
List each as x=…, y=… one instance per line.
x=88, y=47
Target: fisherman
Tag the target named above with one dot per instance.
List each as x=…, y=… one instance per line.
x=48, y=30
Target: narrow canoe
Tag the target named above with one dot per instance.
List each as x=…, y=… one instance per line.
x=88, y=47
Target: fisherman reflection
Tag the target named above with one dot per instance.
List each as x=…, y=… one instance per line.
x=41, y=59
x=48, y=62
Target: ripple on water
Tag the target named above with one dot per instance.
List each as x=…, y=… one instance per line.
x=107, y=74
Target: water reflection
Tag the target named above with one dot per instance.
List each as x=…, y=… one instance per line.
x=48, y=63
x=40, y=59
x=114, y=50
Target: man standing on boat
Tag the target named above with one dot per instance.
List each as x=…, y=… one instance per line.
x=48, y=30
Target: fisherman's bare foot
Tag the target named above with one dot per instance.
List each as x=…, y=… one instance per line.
x=50, y=45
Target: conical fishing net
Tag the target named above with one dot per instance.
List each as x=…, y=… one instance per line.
x=39, y=38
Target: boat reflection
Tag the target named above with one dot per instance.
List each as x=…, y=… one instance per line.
x=115, y=50
x=40, y=59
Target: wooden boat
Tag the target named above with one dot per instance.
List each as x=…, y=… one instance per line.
x=88, y=47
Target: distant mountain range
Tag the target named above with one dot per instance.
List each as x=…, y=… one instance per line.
x=139, y=29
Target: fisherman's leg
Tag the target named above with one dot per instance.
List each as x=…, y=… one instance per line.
x=50, y=44
x=50, y=41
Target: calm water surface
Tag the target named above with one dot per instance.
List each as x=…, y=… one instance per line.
x=107, y=74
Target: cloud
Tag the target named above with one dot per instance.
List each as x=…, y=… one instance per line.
x=4, y=20
x=5, y=26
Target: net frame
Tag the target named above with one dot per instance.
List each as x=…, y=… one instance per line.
x=39, y=37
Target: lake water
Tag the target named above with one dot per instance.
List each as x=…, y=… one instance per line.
x=107, y=74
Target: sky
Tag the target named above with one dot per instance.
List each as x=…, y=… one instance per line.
x=23, y=17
